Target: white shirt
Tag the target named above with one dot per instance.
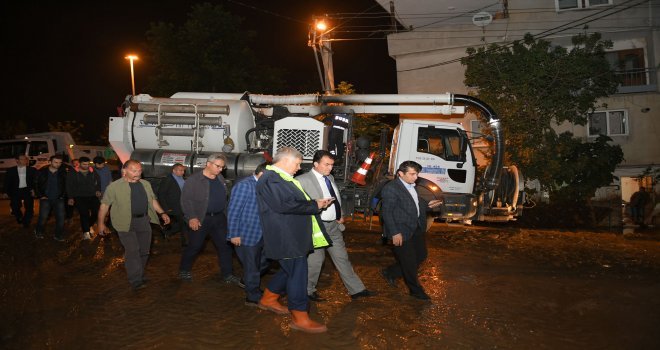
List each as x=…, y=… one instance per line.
x=413, y=193
x=329, y=214
x=22, y=176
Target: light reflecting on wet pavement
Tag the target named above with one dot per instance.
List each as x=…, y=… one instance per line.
x=490, y=288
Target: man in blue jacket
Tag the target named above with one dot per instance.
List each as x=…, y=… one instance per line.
x=291, y=228
x=246, y=235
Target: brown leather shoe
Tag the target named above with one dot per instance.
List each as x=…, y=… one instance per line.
x=269, y=302
x=300, y=321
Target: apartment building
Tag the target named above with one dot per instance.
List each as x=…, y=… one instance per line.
x=431, y=37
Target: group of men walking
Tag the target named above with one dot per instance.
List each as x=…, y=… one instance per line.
x=56, y=186
x=271, y=216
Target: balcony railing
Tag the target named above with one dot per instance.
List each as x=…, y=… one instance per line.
x=637, y=80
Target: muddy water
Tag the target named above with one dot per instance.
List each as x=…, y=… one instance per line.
x=491, y=288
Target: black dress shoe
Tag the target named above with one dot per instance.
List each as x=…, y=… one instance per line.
x=315, y=297
x=363, y=294
x=420, y=296
x=388, y=278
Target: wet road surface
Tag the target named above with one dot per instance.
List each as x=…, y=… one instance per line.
x=491, y=287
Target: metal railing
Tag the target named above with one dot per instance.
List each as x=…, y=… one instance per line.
x=636, y=77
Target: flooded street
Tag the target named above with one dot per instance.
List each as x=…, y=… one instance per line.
x=491, y=287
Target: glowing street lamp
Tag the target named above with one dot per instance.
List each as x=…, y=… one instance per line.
x=321, y=25
x=132, y=58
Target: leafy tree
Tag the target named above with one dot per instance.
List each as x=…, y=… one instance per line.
x=367, y=125
x=209, y=52
x=533, y=86
x=73, y=127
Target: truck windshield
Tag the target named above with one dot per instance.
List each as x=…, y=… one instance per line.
x=9, y=150
x=38, y=148
x=443, y=143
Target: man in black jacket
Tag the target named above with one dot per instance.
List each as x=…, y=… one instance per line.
x=403, y=218
x=19, y=181
x=84, y=190
x=50, y=188
x=204, y=205
x=292, y=228
x=169, y=197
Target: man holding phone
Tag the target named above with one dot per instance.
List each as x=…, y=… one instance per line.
x=318, y=183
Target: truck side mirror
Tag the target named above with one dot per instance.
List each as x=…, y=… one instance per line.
x=463, y=144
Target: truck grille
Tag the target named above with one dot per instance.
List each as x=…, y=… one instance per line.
x=305, y=141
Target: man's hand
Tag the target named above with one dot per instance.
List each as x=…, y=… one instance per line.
x=324, y=202
x=166, y=218
x=236, y=241
x=194, y=224
x=102, y=229
x=397, y=239
x=70, y=201
x=435, y=203
x=341, y=220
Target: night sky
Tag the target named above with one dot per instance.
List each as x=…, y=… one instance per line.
x=65, y=60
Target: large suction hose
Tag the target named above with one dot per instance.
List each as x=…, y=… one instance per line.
x=492, y=176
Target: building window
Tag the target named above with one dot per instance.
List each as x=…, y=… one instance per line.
x=629, y=66
x=610, y=123
x=475, y=127
x=580, y=4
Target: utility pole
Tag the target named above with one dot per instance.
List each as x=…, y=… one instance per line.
x=392, y=17
x=319, y=40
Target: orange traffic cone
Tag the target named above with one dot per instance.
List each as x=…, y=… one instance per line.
x=361, y=174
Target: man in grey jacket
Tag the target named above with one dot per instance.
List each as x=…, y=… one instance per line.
x=318, y=183
x=204, y=206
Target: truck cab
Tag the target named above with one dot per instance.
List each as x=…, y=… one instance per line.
x=448, y=164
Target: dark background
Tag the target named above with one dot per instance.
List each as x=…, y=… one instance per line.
x=65, y=60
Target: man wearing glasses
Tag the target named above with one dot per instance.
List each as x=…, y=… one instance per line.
x=204, y=206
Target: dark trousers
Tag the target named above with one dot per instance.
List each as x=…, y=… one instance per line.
x=45, y=207
x=409, y=256
x=216, y=227
x=136, y=242
x=88, y=208
x=22, y=199
x=291, y=279
x=254, y=263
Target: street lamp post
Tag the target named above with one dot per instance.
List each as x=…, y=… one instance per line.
x=320, y=42
x=132, y=58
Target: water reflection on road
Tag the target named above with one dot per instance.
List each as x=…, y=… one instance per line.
x=490, y=288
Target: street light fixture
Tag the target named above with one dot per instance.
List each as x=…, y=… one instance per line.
x=132, y=58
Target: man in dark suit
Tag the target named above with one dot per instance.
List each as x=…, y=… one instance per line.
x=292, y=228
x=19, y=186
x=169, y=197
x=403, y=217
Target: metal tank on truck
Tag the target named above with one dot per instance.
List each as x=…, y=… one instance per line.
x=248, y=128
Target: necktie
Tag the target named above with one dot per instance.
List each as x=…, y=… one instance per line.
x=333, y=194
